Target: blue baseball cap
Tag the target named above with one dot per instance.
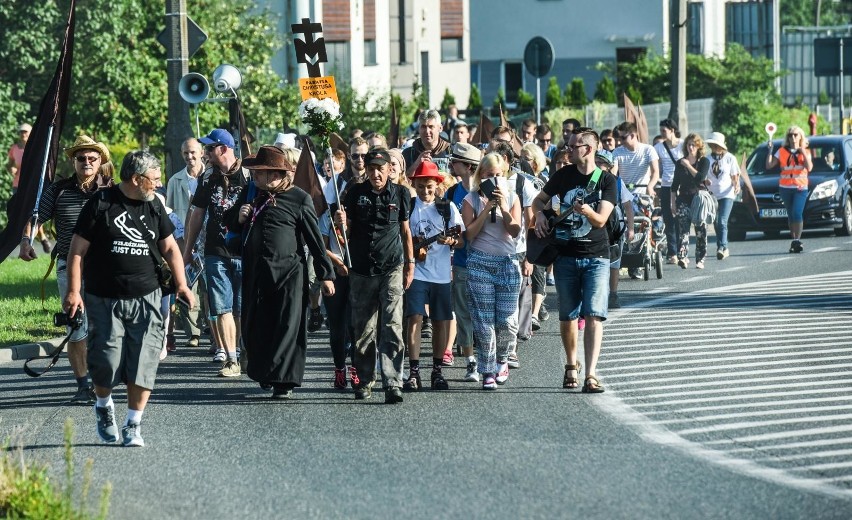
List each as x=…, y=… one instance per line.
x=606, y=156
x=218, y=136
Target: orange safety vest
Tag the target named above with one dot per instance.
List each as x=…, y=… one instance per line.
x=793, y=172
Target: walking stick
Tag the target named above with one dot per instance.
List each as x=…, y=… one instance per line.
x=34, y=220
x=346, y=258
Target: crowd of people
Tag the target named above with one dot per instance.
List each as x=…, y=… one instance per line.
x=423, y=239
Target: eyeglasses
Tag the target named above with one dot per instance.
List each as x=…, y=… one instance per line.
x=152, y=180
x=357, y=156
x=211, y=147
x=87, y=158
x=570, y=148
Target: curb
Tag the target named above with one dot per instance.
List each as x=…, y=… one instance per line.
x=28, y=350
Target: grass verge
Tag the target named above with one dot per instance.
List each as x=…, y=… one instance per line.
x=27, y=491
x=22, y=319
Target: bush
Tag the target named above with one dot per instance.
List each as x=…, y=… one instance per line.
x=553, y=96
x=475, y=100
x=448, y=100
x=525, y=99
x=555, y=116
x=575, y=93
x=500, y=100
x=605, y=90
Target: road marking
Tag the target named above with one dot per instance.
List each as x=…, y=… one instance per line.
x=781, y=259
x=732, y=269
x=694, y=279
x=825, y=249
x=750, y=376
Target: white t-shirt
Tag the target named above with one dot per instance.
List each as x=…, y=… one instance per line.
x=426, y=222
x=722, y=186
x=527, y=197
x=667, y=167
x=634, y=167
x=328, y=189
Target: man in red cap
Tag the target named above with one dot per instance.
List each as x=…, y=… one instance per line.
x=432, y=222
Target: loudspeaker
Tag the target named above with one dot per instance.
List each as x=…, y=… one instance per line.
x=227, y=77
x=193, y=88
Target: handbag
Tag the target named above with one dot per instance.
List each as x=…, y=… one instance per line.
x=164, y=272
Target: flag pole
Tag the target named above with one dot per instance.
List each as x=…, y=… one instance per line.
x=346, y=258
x=34, y=220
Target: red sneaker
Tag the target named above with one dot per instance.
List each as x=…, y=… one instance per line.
x=340, y=378
x=353, y=378
x=449, y=359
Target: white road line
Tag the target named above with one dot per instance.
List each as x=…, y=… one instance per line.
x=715, y=382
x=744, y=425
x=823, y=467
x=805, y=456
x=739, y=398
x=781, y=259
x=807, y=372
x=764, y=413
x=810, y=383
x=694, y=279
x=732, y=269
x=842, y=441
x=785, y=434
x=825, y=249
x=763, y=404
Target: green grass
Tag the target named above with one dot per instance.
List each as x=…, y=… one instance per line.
x=22, y=319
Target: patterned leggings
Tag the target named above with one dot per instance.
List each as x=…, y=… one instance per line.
x=493, y=285
x=684, y=222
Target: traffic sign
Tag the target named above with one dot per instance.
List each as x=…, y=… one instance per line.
x=195, y=37
x=320, y=88
x=827, y=56
x=538, y=56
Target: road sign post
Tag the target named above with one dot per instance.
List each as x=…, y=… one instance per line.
x=538, y=59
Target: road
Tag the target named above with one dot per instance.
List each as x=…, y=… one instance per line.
x=728, y=396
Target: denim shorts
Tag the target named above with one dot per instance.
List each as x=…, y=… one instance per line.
x=62, y=281
x=224, y=285
x=439, y=297
x=794, y=200
x=582, y=287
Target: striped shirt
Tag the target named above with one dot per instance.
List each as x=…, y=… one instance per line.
x=62, y=202
x=634, y=167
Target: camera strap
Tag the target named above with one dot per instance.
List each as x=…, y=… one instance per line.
x=55, y=355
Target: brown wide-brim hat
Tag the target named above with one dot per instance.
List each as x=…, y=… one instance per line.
x=268, y=158
x=84, y=142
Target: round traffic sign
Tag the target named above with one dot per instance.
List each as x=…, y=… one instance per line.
x=538, y=56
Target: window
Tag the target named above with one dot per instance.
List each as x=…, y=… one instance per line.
x=750, y=25
x=451, y=49
x=338, y=61
x=513, y=80
x=369, y=52
x=694, y=27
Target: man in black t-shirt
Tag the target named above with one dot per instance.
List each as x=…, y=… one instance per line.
x=221, y=185
x=582, y=268
x=110, y=252
x=376, y=217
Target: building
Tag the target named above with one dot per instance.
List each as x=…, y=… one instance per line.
x=378, y=46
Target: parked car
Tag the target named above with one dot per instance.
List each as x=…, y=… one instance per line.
x=829, y=202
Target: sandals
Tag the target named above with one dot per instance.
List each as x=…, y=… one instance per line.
x=569, y=382
x=592, y=386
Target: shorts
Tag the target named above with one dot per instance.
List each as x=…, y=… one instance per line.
x=127, y=337
x=539, y=280
x=464, y=324
x=615, y=252
x=582, y=287
x=224, y=285
x=794, y=200
x=62, y=281
x=439, y=297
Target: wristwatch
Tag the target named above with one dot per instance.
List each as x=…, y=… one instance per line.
x=410, y=261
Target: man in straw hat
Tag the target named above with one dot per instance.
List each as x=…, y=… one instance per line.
x=62, y=202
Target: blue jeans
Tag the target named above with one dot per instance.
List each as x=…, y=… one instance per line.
x=582, y=282
x=794, y=200
x=721, y=224
x=224, y=285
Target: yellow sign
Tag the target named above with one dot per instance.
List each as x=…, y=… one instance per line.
x=320, y=88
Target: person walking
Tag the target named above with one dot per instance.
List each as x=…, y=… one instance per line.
x=724, y=184
x=796, y=163
x=689, y=177
x=670, y=152
x=111, y=254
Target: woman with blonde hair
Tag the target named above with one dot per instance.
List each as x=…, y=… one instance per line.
x=492, y=218
x=795, y=161
x=533, y=154
x=397, y=171
x=689, y=176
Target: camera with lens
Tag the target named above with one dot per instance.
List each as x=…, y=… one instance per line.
x=62, y=319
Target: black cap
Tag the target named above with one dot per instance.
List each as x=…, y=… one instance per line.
x=377, y=157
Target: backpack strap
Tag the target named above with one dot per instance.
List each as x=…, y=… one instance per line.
x=443, y=207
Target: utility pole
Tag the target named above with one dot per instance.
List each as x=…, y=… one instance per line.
x=176, y=42
x=678, y=19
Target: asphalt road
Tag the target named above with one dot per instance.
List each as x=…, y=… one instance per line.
x=728, y=394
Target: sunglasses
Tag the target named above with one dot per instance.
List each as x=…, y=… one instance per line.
x=86, y=158
x=357, y=156
x=211, y=147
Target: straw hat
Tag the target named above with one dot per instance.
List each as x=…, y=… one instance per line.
x=84, y=142
x=717, y=139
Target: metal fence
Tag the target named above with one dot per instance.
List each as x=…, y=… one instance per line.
x=800, y=85
x=699, y=114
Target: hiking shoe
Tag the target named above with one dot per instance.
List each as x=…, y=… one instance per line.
x=193, y=342
x=449, y=359
x=426, y=330
x=536, y=324
x=364, y=392
x=220, y=356
x=131, y=435
x=413, y=383
x=513, y=360
x=543, y=314
x=107, y=430
x=393, y=395
x=339, y=378
x=230, y=369
x=503, y=374
x=315, y=320
x=438, y=381
x=796, y=246
x=85, y=394
x=354, y=380
x=489, y=383
x=471, y=374
x=171, y=346
x=613, y=301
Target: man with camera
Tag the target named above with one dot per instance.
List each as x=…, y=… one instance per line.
x=111, y=252
x=582, y=268
x=62, y=202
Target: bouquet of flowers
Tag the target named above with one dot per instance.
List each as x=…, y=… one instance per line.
x=322, y=117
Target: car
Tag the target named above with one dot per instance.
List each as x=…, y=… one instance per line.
x=829, y=203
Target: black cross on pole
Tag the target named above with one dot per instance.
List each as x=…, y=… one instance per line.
x=309, y=51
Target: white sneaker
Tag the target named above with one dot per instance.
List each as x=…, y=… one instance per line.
x=220, y=356
x=503, y=373
x=471, y=374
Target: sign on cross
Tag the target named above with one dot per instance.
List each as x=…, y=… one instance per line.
x=309, y=51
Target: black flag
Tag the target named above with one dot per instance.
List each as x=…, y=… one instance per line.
x=40, y=154
x=306, y=178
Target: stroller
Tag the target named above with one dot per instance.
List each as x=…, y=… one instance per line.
x=645, y=251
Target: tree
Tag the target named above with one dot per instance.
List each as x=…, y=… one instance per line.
x=808, y=13
x=553, y=95
x=448, y=100
x=605, y=90
x=575, y=93
x=525, y=99
x=500, y=100
x=475, y=100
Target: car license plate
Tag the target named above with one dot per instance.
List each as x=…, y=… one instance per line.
x=773, y=213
